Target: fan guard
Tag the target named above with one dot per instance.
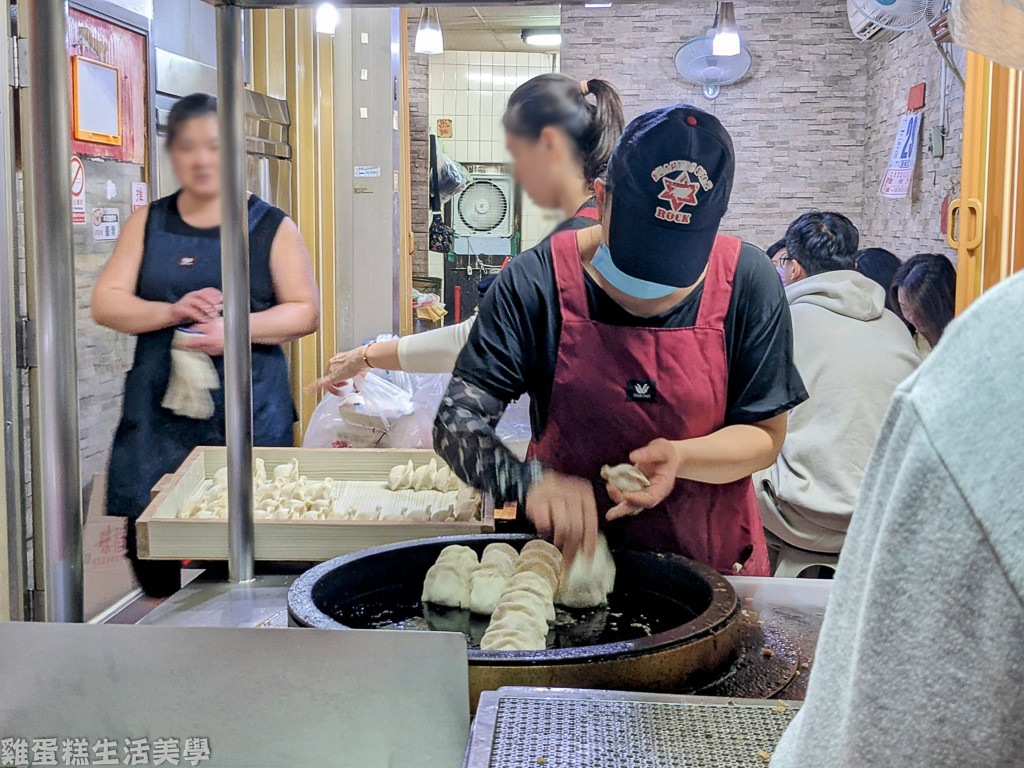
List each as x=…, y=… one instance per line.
x=695, y=61
x=900, y=15
x=483, y=206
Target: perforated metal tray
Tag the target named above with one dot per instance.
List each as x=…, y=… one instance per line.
x=557, y=728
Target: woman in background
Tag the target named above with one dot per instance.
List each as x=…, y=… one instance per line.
x=880, y=265
x=560, y=141
x=923, y=293
x=165, y=273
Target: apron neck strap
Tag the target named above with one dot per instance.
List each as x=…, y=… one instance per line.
x=717, y=293
x=572, y=293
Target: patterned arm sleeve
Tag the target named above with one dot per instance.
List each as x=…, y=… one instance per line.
x=464, y=436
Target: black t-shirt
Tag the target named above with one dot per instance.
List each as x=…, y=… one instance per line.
x=513, y=346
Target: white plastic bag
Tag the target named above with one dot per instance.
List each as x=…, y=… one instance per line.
x=514, y=429
x=361, y=417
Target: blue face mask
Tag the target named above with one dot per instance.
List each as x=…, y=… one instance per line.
x=631, y=286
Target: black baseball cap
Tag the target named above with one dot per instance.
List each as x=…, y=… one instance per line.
x=670, y=178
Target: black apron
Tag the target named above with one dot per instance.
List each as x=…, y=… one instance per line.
x=151, y=441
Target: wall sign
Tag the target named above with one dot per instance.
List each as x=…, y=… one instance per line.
x=900, y=173
x=77, y=191
x=367, y=171
x=106, y=224
x=444, y=129
x=140, y=195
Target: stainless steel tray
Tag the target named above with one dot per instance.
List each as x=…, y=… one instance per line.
x=575, y=728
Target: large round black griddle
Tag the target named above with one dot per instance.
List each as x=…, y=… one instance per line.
x=660, y=601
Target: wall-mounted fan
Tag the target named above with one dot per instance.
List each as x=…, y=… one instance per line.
x=696, y=62
x=899, y=15
x=485, y=207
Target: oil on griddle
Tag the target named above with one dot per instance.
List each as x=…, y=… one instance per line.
x=630, y=615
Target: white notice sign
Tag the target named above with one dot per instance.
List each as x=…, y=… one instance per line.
x=367, y=171
x=106, y=224
x=900, y=173
x=140, y=195
x=77, y=191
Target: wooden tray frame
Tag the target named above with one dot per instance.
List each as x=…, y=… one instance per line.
x=163, y=536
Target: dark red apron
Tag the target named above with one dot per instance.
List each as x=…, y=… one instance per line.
x=617, y=388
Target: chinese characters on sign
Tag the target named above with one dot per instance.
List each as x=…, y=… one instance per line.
x=21, y=753
x=140, y=195
x=106, y=224
x=898, y=177
x=77, y=191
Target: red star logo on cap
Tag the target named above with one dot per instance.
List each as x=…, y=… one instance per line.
x=679, y=192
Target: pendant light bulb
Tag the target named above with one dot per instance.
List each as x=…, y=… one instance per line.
x=429, y=38
x=726, y=41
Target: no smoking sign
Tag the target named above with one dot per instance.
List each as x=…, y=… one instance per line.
x=77, y=191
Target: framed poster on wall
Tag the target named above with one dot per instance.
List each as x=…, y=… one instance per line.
x=96, y=105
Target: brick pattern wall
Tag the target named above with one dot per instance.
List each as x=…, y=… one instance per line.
x=419, y=148
x=912, y=225
x=797, y=121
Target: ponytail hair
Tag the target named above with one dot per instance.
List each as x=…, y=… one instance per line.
x=559, y=101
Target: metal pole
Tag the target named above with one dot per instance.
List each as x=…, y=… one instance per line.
x=54, y=382
x=234, y=258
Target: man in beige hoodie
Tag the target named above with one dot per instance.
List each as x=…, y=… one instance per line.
x=852, y=353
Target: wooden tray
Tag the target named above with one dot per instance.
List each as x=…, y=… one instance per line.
x=163, y=536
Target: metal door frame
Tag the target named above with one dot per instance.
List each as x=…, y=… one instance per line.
x=13, y=600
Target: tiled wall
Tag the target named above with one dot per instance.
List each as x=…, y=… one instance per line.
x=797, y=121
x=471, y=88
x=912, y=225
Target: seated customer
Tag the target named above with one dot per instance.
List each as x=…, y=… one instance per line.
x=923, y=292
x=851, y=354
x=920, y=661
x=880, y=265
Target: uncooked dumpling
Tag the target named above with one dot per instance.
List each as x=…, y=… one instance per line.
x=418, y=514
x=220, y=477
x=497, y=558
x=546, y=550
x=589, y=581
x=500, y=546
x=423, y=478
x=259, y=472
x=521, y=621
x=287, y=472
x=533, y=582
x=261, y=514
x=441, y=515
x=539, y=564
x=392, y=514
x=458, y=553
x=446, y=480
x=541, y=607
x=366, y=514
x=445, y=584
x=625, y=477
x=400, y=477
x=466, y=510
x=511, y=640
x=485, y=589
x=523, y=604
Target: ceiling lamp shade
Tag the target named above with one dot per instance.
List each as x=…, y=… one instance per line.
x=542, y=38
x=326, y=18
x=429, y=39
x=726, y=41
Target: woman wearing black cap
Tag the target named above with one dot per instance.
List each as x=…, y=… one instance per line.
x=560, y=141
x=652, y=340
